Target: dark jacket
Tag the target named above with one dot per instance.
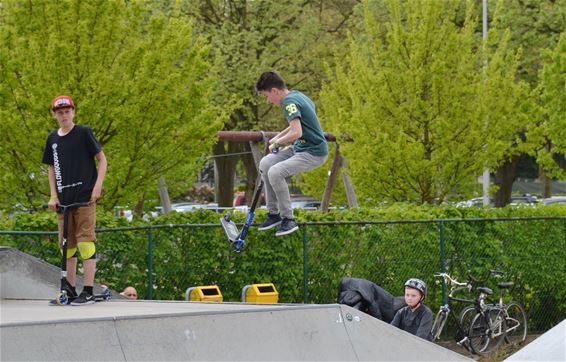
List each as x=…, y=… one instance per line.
x=417, y=322
x=369, y=298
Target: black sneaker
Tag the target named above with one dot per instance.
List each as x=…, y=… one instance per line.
x=83, y=299
x=287, y=227
x=272, y=221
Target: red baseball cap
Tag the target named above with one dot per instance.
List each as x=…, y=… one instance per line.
x=62, y=102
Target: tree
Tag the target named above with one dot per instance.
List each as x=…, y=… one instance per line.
x=534, y=25
x=424, y=114
x=250, y=37
x=549, y=136
x=140, y=79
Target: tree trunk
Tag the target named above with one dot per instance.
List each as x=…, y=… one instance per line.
x=226, y=169
x=138, y=209
x=546, y=181
x=252, y=174
x=504, y=177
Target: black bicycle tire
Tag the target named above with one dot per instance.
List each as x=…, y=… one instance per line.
x=510, y=324
x=478, y=329
x=464, y=326
x=463, y=312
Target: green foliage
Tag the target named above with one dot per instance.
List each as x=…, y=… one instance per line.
x=398, y=242
x=293, y=37
x=535, y=25
x=424, y=114
x=549, y=136
x=140, y=79
x=250, y=37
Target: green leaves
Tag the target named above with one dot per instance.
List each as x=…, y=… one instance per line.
x=549, y=137
x=424, y=115
x=140, y=79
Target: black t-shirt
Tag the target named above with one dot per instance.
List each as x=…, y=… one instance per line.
x=72, y=157
x=418, y=322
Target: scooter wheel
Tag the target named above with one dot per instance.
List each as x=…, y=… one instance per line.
x=107, y=294
x=238, y=245
x=62, y=298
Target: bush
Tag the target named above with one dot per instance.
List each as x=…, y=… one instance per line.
x=164, y=256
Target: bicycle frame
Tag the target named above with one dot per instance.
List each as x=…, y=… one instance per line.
x=445, y=310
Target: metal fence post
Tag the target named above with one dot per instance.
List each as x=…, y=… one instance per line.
x=442, y=260
x=305, y=266
x=149, y=264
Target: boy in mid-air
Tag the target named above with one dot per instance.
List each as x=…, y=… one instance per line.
x=309, y=149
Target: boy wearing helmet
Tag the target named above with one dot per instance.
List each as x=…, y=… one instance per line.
x=415, y=318
x=70, y=152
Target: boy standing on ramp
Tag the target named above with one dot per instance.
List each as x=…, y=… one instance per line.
x=309, y=149
x=69, y=153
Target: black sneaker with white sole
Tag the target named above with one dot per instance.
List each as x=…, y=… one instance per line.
x=287, y=227
x=83, y=299
x=271, y=221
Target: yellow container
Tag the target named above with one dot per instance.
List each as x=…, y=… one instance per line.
x=209, y=293
x=260, y=293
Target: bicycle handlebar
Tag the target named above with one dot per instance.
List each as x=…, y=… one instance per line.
x=492, y=272
x=450, y=280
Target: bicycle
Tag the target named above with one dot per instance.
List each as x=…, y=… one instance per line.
x=488, y=328
x=463, y=320
x=481, y=327
x=515, y=316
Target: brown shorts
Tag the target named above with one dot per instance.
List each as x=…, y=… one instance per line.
x=81, y=225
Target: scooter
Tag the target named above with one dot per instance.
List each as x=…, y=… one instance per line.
x=238, y=238
x=63, y=298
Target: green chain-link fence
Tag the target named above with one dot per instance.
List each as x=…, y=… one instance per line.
x=162, y=261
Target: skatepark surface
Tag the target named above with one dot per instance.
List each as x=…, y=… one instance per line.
x=551, y=346
x=124, y=330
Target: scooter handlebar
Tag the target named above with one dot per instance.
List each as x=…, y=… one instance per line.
x=75, y=205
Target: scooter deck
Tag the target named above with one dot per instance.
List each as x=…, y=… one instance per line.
x=97, y=298
x=230, y=229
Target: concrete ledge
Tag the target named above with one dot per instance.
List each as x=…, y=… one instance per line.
x=126, y=331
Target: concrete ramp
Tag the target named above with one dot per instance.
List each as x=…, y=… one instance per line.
x=23, y=276
x=168, y=331
x=123, y=330
x=551, y=346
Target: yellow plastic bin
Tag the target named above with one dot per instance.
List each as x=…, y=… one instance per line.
x=208, y=293
x=260, y=293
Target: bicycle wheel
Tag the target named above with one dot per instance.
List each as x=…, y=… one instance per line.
x=516, y=322
x=487, y=331
x=465, y=318
x=438, y=325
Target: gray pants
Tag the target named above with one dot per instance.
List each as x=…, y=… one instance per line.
x=275, y=168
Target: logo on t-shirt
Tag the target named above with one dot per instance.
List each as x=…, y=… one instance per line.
x=291, y=109
x=57, y=168
x=58, y=176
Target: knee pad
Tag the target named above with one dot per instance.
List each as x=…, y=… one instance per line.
x=87, y=250
x=71, y=252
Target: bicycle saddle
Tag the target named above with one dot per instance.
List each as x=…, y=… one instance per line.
x=485, y=290
x=504, y=285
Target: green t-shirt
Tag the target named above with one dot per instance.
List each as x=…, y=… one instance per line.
x=298, y=105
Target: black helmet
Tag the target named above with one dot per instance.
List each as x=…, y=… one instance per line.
x=417, y=284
